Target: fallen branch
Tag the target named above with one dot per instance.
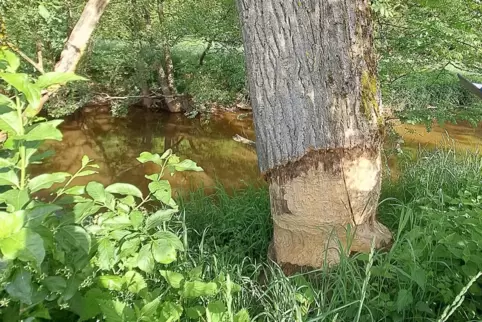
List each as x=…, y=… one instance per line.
x=240, y=139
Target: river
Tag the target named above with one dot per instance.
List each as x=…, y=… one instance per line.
x=115, y=143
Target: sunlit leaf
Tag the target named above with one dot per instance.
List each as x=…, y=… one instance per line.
x=11, y=223
x=12, y=60
x=216, y=311
x=111, y=282
x=74, y=237
x=106, y=254
x=149, y=157
x=9, y=178
x=124, y=189
x=10, y=122
x=96, y=191
x=53, y=78
x=187, y=165
x=44, y=131
x=45, y=181
x=163, y=251
x=43, y=12
x=242, y=316
x=161, y=190
x=145, y=260
x=174, y=279
x=75, y=190
x=171, y=238
x=159, y=217
x=15, y=198
x=195, y=289
x=22, y=84
x=171, y=311
x=150, y=308
x=135, y=282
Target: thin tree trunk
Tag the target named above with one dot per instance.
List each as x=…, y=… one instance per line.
x=75, y=46
x=316, y=103
x=166, y=76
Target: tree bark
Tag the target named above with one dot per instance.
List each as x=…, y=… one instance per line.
x=79, y=38
x=316, y=102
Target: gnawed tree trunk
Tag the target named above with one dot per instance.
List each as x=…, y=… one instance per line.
x=79, y=38
x=316, y=103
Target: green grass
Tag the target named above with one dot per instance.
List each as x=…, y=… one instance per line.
x=434, y=210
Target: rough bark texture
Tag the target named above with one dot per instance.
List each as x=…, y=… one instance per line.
x=316, y=103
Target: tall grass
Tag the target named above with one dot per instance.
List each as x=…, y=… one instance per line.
x=428, y=275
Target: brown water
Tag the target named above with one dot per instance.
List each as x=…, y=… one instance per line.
x=115, y=143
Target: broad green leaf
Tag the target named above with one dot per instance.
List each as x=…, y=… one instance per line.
x=420, y=277
x=14, y=244
x=172, y=278
x=55, y=283
x=11, y=223
x=404, y=299
x=195, y=289
x=75, y=191
x=9, y=178
x=161, y=190
x=33, y=249
x=145, y=260
x=124, y=189
x=118, y=222
x=72, y=288
x=11, y=123
x=152, y=177
x=111, y=282
x=163, y=251
x=6, y=102
x=12, y=60
x=242, y=316
x=43, y=131
x=159, y=217
x=90, y=307
x=16, y=198
x=6, y=163
x=130, y=247
x=171, y=238
x=96, y=191
x=23, y=85
x=39, y=157
x=113, y=310
x=45, y=181
x=149, y=157
x=195, y=312
x=54, y=78
x=171, y=312
x=150, y=308
x=106, y=254
x=216, y=311
x=166, y=154
x=137, y=218
x=135, y=282
x=85, y=161
x=187, y=165
x=43, y=12
x=83, y=210
x=74, y=237
x=20, y=287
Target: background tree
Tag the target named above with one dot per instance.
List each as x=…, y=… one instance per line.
x=312, y=76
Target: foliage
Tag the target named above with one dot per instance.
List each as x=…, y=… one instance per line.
x=93, y=251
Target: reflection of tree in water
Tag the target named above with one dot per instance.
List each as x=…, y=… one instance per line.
x=115, y=143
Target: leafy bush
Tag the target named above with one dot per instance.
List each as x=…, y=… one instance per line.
x=93, y=251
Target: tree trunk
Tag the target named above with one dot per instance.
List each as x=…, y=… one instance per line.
x=166, y=76
x=79, y=38
x=316, y=102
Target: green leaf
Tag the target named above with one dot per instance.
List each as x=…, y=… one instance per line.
x=113, y=310
x=145, y=260
x=74, y=237
x=135, y=282
x=83, y=210
x=12, y=60
x=43, y=12
x=149, y=157
x=43, y=131
x=75, y=191
x=9, y=178
x=150, y=308
x=33, y=249
x=14, y=244
x=159, y=217
x=53, y=78
x=195, y=289
x=90, y=307
x=171, y=238
x=404, y=299
x=45, y=181
x=72, y=288
x=195, y=312
x=23, y=85
x=171, y=312
x=15, y=198
x=420, y=277
x=130, y=247
x=106, y=254
x=96, y=191
x=20, y=287
x=11, y=223
x=85, y=161
x=187, y=165
x=55, y=283
x=11, y=123
x=216, y=311
x=242, y=316
x=163, y=251
x=111, y=282
x=166, y=154
x=124, y=189
x=86, y=173
x=118, y=222
x=174, y=279
x=161, y=190
x=137, y=218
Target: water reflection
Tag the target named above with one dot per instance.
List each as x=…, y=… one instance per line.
x=115, y=143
